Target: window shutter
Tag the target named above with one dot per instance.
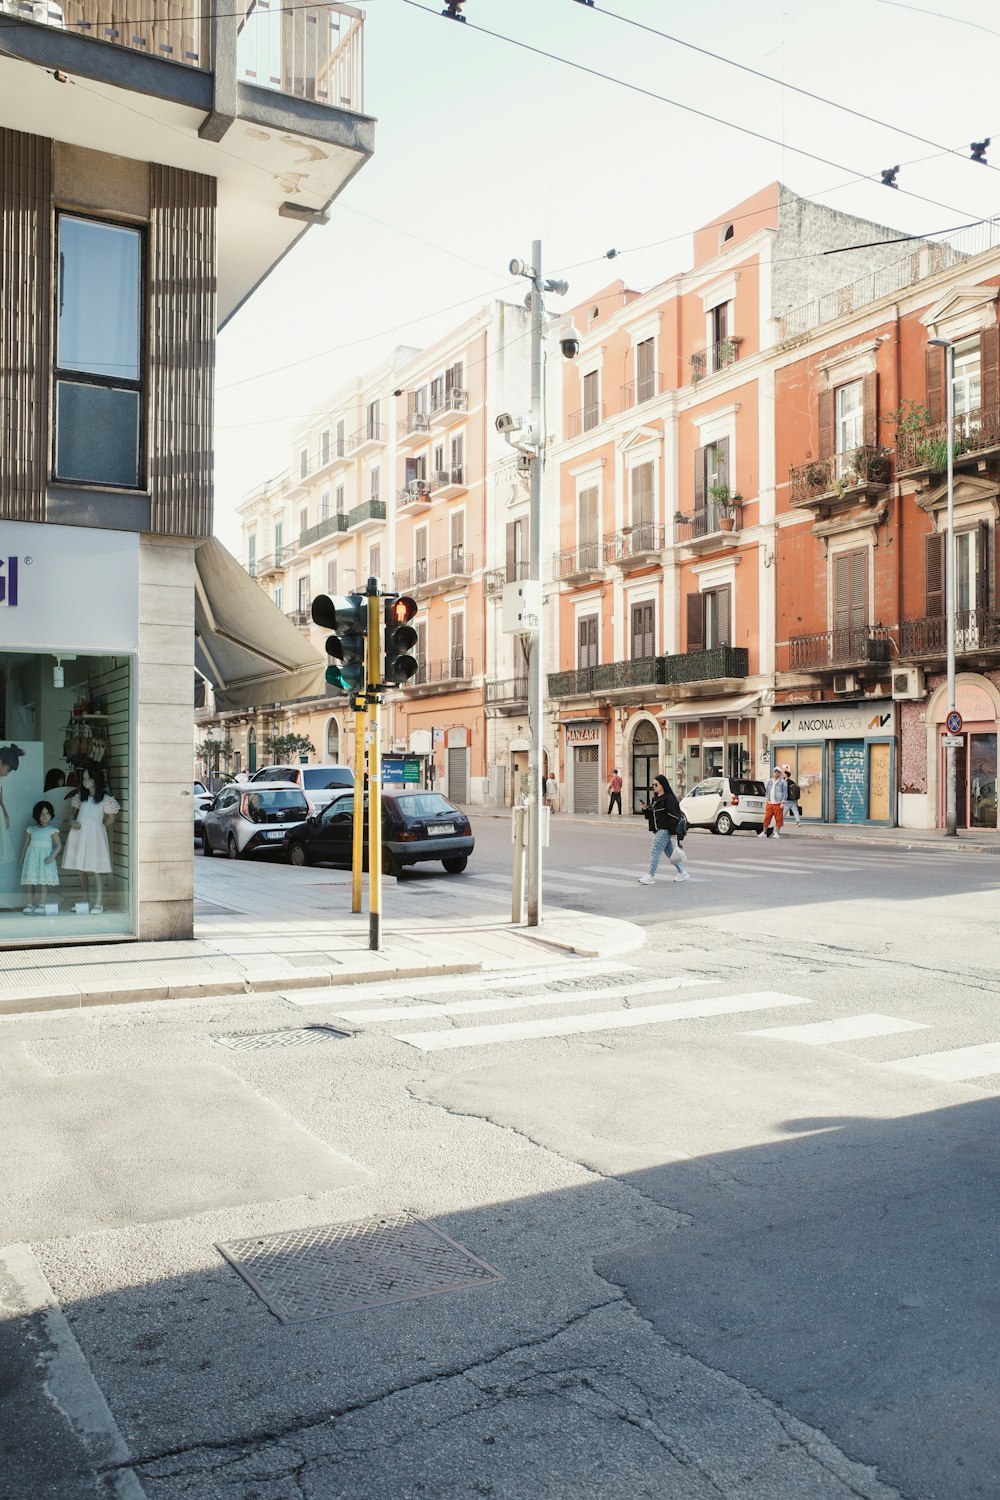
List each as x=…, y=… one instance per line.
x=870, y=394
x=983, y=565
x=695, y=621
x=841, y=591
x=934, y=573
x=934, y=359
x=826, y=424
x=721, y=447
x=699, y=480
x=723, y=621
x=859, y=590
x=989, y=374
x=511, y=551
x=642, y=495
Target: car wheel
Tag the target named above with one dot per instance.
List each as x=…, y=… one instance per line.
x=206, y=847
x=231, y=848
x=298, y=854
x=457, y=865
x=724, y=823
x=390, y=864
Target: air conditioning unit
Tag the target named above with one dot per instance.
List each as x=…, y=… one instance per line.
x=907, y=684
x=845, y=682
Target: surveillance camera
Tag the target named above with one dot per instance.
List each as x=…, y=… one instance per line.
x=517, y=268
x=569, y=341
x=507, y=423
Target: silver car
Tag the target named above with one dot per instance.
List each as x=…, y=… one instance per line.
x=245, y=819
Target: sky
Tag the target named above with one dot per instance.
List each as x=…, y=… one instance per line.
x=482, y=146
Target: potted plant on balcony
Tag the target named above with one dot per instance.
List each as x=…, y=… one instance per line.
x=727, y=505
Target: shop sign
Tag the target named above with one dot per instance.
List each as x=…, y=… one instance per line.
x=974, y=704
x=64, y=586
x=874, y=719
x=584, y=734
x=711, y=729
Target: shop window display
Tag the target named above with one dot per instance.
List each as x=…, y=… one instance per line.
x=65, y=797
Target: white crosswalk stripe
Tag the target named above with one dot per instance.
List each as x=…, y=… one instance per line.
x=520, y=1002
x=953, y=1066
x=613, y=1020
x=484, y=979
x=840, y=1029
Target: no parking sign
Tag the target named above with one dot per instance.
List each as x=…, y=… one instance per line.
x=954, y=721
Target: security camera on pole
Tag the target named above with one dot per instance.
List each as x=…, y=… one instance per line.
x=527, y=435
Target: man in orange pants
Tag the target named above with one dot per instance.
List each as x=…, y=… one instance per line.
x=777, y=793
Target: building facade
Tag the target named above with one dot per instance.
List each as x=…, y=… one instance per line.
x=122, y=251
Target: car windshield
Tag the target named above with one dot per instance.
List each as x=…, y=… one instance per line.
x=424, y=805
x=322, y=778
x=276, y=805
x=748, y=788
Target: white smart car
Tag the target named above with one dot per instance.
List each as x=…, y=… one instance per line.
x=722, y=803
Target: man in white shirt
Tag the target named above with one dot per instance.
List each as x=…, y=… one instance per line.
x=777, y=793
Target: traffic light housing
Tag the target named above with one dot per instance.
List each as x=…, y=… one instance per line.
x=347, y=617
x=400, y=639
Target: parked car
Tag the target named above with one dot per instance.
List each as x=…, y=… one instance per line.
x=202, y=799
x=320, y=783
x=722, y=803
x=416, y=826
x=244, y=820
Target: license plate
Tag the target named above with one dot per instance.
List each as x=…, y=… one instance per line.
x=275, y=833
x=753, y=804
x=440, y=828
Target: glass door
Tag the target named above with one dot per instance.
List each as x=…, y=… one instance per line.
x=982, y=781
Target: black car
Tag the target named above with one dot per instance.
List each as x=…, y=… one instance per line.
x=416, y=826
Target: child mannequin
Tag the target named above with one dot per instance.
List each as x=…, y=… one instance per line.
x=87, y=847
x=10, y=759
x=38, y=855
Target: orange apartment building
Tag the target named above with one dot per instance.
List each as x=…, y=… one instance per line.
x=666, y=484
x=860, y=404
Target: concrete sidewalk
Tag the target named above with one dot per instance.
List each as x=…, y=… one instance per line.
x=263, y=928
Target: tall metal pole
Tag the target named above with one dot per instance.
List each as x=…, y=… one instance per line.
x=536, y=657
x=358, y=831
x=374, y=767
x=951, y=809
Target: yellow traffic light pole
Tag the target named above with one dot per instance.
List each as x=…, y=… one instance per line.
x=374, y=665
x=358, y=846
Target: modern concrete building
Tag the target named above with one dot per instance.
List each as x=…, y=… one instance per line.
x=154, y=167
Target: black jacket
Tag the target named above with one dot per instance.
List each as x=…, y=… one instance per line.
x=793, y=790
x=663, y=811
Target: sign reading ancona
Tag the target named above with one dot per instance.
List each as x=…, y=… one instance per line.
x=874, y=719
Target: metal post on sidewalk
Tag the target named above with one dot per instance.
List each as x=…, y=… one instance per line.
x=537, y=651
x=358, y=831
x=951, y=770
x=374, y=674
x=518, y=821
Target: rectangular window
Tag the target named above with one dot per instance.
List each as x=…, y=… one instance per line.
x=376, y=482
x=324, y=506
x=588, y=543
x=416, y=468
x=279, y=542
x=849, y=416
x=338, y=497
x=303, y=519
x=968, y=376
x=645, y=375
x=277, y=595
x=303, y=463
x=586, y=641
x=721, y=327
x=373, y=427
x=458, y=459
x=331, y=575
x=642, y=633
x=437, y=393
x=302, y=594
x=850, y=604
x=453, y=377
x=375, y=560
x=456, y=627
x=98, y=354
x=591, y=400
x=717, y=628
x=324, y=447
x=420, y=555
x=252, y=553
x=341, y=442
x=642, y=496
x=437, y=462
x=517, y=549
x=457, y=533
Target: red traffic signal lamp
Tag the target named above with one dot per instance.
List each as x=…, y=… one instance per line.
x=400, y=638
x=347, y=617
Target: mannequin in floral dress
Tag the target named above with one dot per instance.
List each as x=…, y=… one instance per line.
x=10, y=759
x=87, y=848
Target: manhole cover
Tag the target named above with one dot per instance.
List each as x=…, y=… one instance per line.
x=338, y=1268
x=288, y=1036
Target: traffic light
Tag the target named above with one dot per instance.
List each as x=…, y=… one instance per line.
x=400, y=639
x=347, y=616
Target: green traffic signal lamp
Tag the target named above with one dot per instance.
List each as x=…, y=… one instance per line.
x=400, y=639
x=347, y=616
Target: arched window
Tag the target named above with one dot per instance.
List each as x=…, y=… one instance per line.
x=728, y=233
x=251, y=750
x=332, y=742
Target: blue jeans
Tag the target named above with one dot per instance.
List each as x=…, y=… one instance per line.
x=662, y=842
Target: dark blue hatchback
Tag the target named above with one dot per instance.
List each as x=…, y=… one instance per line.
x=416, y=827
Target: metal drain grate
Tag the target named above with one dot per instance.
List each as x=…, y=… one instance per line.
x=288, y=1036
x=338, y=1268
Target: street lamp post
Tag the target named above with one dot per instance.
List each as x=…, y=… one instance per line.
x=951, y=775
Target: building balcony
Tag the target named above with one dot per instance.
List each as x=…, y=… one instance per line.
x=578, y=564
x=638, y=391
x=444, y=675
x=415, y=497
x=609, y=677
x=322, y=463
x=716, y=357
x=446, y=483
x=413, y=429
x=300, y=617
x=976, y=434
x=436, y=574
x=454, y=405
x=366, y=517
x=585, y=420
x=860, y=473
x=329, y=526
x=976, y=631
x=496, y=578
x=708, y=526
x=716, y=665
x=291, y=78
x=635, y=546
x=507, y=695
x=271, y=563
x=851, y=647
x=367, y=439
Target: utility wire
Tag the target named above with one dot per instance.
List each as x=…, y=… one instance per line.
x=940, y=16
x=702, y=114
x=782, y=83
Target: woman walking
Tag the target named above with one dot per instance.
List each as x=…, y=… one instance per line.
x=664, y=816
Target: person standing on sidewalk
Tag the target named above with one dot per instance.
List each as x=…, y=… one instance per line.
x=665, y=819
x=615, y=792
x=777, y=793
x=792, y=799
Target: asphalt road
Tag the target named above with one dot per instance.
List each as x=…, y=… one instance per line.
x=740, y=1187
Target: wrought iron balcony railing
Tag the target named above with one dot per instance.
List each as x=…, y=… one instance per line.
x=975, y=630
x=272, y=562
x=416, y=492
x=707, y=666
x=451, y=400
x=638, y=391
x=446, y=669
x=707, y=520
x=370, y=510
x=371, y=432
x=851, y=646
x=608, y=677
x=584, y=420
x=453, y=478
x=507, y=690
x=975, y=432
x=635, y=542
x=840, y=474
x=512, y=573
x=415, y=422
x=588, y=557
x=326, y=527
x=718, y=356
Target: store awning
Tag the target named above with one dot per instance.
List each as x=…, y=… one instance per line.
x=712, y=708
x=244, y=646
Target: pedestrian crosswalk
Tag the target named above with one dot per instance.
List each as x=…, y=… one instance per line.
x=440, y=1014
